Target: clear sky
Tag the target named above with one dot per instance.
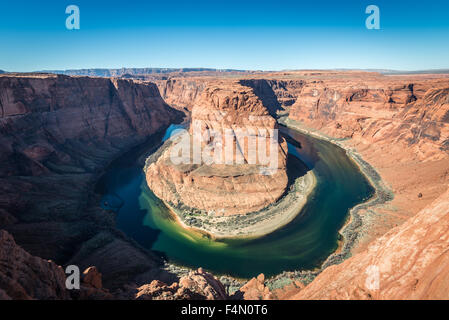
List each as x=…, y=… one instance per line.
x=251, y=34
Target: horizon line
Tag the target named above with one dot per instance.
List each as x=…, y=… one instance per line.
x=193, y=69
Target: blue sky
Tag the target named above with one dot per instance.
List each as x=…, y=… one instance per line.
x=257, y=35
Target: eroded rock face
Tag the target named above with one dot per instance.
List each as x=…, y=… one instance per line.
x=91, y=287
x=57, y=134
x=397, y=124
x=182, y=93
x=92, y=277
x=409, y=262
x=197, y=285
x=239, y=185
x=255, y=289
x=377, y=109
x=23, y=276
x=27, y=277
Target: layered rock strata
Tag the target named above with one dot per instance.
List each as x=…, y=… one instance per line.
x=240, y=166
x=57, y=134
x=398, y=124
x=409, y=262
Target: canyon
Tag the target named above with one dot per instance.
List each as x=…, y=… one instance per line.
x=397, y=123
x=59, y=133
x=217, y=179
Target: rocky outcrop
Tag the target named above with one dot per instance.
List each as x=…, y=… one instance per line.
x=409, y=262
x=197, y=285
x=91, y=287
x=397, y=124
x=27, y=277
x=92, y=278
x=277, y=95
x=230, y=187
x=57, y=135
x=24, y=277
x=182, y=93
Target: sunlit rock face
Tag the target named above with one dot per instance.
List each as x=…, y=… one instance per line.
x=23, y=276
x=197, y=285
x=409, y=262
x=57, y=134
x=399, y=124
x=236, y=161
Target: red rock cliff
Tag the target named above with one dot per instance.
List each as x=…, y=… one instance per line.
x=57, y=134
x=229, y=189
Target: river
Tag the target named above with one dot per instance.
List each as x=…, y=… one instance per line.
x=303, y=244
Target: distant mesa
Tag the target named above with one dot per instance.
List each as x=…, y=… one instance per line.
x=132, y=72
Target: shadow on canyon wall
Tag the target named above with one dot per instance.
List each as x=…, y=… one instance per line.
x=58, y=134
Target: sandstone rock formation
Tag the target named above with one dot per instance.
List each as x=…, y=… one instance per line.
x=399, y=124
x=57, y=134
x=27, y=277
x=197, y=285
x=255, y=289
x=92, y=277
x=409, y=262
x=232, y=187
x=183, y=93
x=23, y=276
x=91, y=287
